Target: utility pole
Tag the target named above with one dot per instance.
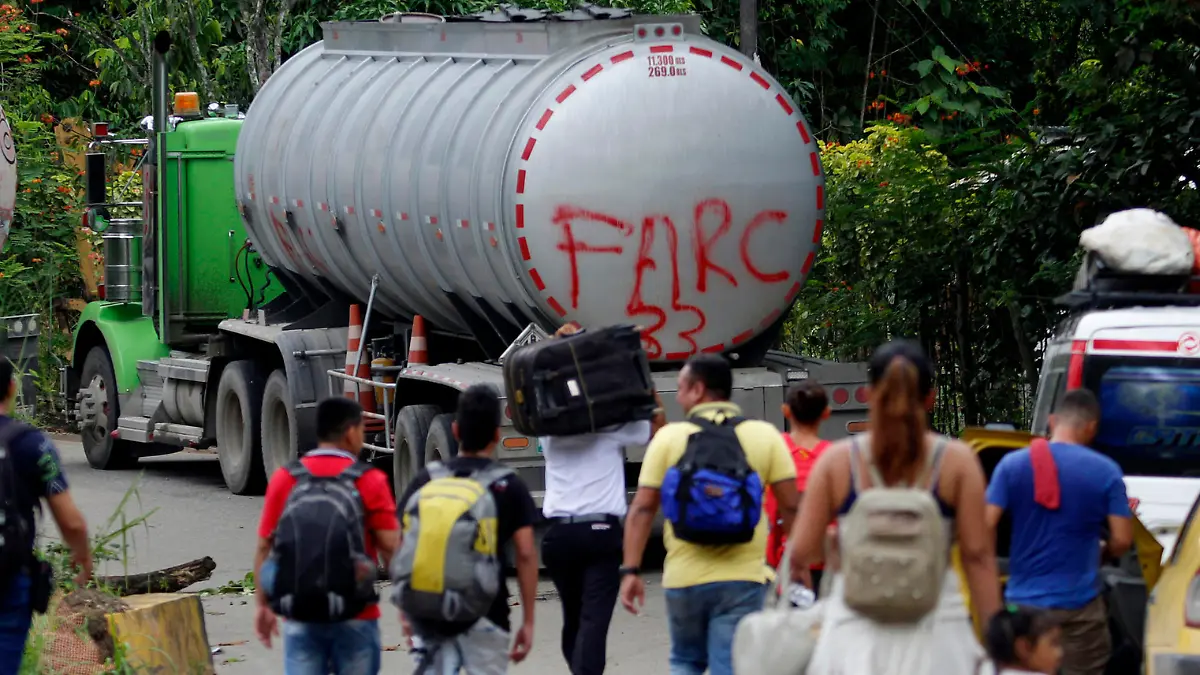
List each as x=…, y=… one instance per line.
x=749, y=28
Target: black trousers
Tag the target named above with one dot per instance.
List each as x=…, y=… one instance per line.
x=584, y=560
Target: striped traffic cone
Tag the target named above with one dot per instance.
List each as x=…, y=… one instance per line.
x=364, y=394
x=418, y=348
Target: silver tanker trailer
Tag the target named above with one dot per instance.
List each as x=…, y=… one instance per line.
x=490, y=178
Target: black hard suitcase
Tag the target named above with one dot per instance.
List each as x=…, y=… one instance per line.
x=579, y=383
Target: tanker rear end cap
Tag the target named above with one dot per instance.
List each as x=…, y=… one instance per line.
x=601, y=170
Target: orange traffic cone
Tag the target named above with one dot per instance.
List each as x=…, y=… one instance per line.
x=418, y=348
x=364, y=394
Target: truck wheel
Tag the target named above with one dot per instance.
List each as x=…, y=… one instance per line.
x=441, y=444
x=280, y=433
x=100, y=407
x=412, y=430
x=239, y=402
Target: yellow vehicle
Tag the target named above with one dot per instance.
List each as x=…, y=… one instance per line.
x=1173, y=610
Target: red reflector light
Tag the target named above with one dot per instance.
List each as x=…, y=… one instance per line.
x=100, y=129
x=508, y=412
x=1075, y=367
x=841, y=396
x=676, y=30
x=860, y=394
x=641, y=32
x=658, y=32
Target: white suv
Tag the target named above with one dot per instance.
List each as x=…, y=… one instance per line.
x=1143, y=364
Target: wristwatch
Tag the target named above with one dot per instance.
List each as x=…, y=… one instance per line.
x=626, y=571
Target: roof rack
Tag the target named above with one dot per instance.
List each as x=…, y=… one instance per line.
x=1099, y=299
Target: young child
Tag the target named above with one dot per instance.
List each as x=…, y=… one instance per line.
x=1024, y=641
x=806, y=407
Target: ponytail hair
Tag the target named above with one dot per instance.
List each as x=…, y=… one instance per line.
x=901, y=378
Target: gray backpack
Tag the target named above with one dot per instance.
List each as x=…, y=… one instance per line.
x=448, y=567
x=894, y=544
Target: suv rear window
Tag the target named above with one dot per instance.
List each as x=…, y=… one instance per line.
x=1150, y=413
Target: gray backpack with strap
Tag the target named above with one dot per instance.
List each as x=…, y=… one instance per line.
x=894, y=543
x=448, y=566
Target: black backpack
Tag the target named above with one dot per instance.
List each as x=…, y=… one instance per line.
x=15, y=528
x=322, y=571
x=712, y=496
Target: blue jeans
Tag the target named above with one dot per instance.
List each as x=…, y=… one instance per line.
x=15, y=618
x=343, y=648
x=702, y=620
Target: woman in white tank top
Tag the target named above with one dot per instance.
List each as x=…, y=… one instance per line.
x=943, y=642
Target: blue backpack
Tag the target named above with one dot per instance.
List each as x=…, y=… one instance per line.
x=712, y=496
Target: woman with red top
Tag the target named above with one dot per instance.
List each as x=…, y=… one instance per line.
x=806, y=408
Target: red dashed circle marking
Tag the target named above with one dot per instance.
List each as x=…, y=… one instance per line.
x=780, y=98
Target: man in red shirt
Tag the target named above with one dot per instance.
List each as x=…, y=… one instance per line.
x=346, y=647
x=806, y=408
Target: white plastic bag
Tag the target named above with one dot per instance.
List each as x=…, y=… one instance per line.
x=1140, y=241
x=780, y=639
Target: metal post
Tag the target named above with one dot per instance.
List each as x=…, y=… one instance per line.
x=362, y=341
x=162, y=43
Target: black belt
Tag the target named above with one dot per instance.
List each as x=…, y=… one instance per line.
x=589, y=518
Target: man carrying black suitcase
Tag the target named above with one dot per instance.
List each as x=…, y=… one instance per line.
x=585, y=505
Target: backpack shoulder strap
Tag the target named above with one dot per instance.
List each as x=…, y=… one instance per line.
x=438, y=470
x=855, y=469
x=872, y=470
x=11, y=431
x=934, y=463
x=355, y=470
x=298, y=471
x=493, y=474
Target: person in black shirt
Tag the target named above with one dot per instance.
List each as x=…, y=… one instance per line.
x=30, y=472
x=482, y=648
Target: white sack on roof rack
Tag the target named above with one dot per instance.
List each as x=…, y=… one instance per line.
x=1140, y=241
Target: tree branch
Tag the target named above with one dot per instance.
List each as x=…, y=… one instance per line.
x=862, y=109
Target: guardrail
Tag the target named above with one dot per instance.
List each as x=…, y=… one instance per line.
x=386, y=417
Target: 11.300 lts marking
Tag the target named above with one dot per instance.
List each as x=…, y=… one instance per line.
x=665, y=65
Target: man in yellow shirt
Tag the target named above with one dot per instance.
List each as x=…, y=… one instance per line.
x=709, y=588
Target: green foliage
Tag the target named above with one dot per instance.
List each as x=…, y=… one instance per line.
x=901, y=257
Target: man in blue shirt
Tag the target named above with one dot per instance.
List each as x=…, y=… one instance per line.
x=1057, y=548
x=31, y=472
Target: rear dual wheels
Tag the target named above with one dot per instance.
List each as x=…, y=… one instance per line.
x=280, y=424
x=423, y=435
x=238, y=421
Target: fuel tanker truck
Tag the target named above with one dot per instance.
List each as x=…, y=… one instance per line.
x=410, y=199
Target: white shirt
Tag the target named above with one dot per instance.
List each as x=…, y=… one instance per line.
x=585, y=473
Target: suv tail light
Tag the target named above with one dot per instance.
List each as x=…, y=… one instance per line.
x=1191, y=603
x=1075, y=367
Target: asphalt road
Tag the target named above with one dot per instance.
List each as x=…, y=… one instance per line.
x=190, y=515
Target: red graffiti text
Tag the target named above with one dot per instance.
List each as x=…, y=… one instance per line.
x=712, y=220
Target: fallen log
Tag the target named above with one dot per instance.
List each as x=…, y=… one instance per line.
x=169, y=580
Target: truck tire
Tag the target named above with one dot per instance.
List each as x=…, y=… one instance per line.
x=441, y=445
x=97, y=381
x=412, y=430
x=280, y=429
x=239, y=403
